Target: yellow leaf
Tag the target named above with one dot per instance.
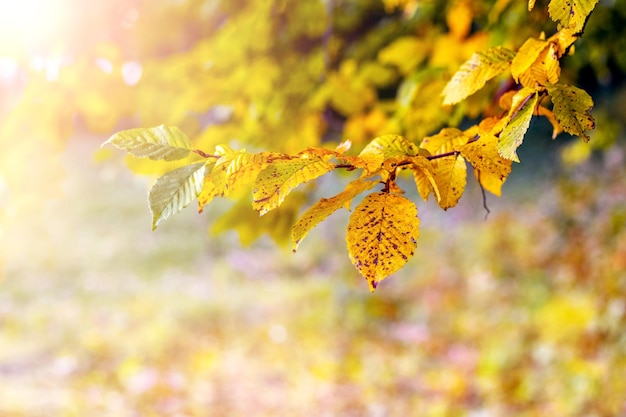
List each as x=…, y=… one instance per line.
x=459, y=19
x=473, y=74
x=382, y=235
x=490, y=169
x=571, y=13
x=489, y=182
x=483, y=155
x=545, y=69
x=572, y=108
x=424, y=179
x=548, y=114
x=531, y=5
x=216, y=182
x=506, y=100
x=491, y=125
x=233, y=171
x=390, y=146
x=450, y=175
x=511, y=137
x=563, y=40
x=243, y=168
x=526, y=56
x=369, y=163
x=447, y=140
x=325, y=207
x=280, y=177
x=406, y=53
x=215, y=185
x=321, y=152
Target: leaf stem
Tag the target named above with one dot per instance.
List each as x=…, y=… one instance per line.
x=204, y=154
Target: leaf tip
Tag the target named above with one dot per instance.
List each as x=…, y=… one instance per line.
x=508, y=154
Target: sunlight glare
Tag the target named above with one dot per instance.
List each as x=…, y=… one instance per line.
x=31, y=25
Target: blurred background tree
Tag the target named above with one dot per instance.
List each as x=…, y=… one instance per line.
x=280, y=75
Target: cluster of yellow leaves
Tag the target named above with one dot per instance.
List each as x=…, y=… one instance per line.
x=536, y=70
x=383, y=230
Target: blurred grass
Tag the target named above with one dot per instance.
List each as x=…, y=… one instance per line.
x=521, y=314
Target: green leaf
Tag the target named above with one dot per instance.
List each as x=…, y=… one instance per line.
x=572, y=108
x=175, y=190
x=157, y=143
x=382, y=235
x=512, y=135
x=474, y=73
x=325, y=207
x=571, y=13
x=280, y=177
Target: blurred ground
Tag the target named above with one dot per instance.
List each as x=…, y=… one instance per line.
x=521, y=314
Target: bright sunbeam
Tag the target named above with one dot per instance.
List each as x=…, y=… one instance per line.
x=31, y=26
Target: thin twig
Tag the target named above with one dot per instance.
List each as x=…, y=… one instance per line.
x=443, y=155
x=482, y=190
